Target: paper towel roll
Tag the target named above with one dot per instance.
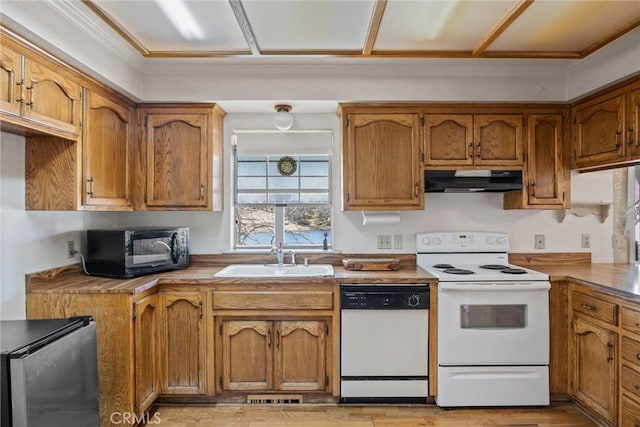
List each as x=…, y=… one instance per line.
x=375, y=218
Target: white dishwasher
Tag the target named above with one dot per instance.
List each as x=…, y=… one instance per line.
x=384, y=343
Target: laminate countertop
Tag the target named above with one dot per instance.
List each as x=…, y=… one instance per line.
x=618, y=279
x=70, y=279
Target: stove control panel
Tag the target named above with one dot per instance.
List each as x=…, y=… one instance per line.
x=473, y=241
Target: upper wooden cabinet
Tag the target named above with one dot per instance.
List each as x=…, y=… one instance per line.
x=37, y=91
x=108, y=151
x=181, y=157
x=381, y=160
x=546, y=174
x=459, y=140
x=598, y=130
x=605, y=128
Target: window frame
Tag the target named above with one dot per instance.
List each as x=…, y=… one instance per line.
x=280, y=208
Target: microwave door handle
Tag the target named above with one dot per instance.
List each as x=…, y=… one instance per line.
x=173, y=249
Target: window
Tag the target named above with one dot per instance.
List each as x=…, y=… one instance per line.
x=282, y=192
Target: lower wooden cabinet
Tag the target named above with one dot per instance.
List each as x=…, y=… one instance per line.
x=265, y=355
x=594, y=380
x=146, y=352
x=183, y=343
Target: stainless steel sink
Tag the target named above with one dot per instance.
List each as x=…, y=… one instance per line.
x=275, y=270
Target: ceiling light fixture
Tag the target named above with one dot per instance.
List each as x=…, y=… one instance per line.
x=283, y=119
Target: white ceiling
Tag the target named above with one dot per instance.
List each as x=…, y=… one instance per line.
x=382, y=28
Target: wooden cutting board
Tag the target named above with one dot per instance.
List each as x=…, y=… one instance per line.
x=359, y=264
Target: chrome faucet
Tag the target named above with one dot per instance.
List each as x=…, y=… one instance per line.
x=280, y=253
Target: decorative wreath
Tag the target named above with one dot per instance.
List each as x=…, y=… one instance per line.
x=287, y=166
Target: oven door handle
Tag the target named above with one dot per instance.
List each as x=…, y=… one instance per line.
x=496, y=287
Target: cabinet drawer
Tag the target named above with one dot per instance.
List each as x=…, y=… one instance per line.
x=631, y=351
x=630, y=413
x=630, y=319
x=273, y=300
x=594, y=307
x=630, y=380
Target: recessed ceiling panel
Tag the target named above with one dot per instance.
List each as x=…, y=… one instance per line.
x=309, y=25
x=178, y=25
x=566, y=25
x=437, y=24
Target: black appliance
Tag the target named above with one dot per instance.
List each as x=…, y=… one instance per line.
x=471, y=181
x=131, y=252
x=49, y=374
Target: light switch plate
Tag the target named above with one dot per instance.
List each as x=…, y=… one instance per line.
x=397, y=241
x=384, y=241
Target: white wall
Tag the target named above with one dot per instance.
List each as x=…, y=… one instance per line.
x=31, y=241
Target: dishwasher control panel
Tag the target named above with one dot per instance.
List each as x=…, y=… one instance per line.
x=394, y=297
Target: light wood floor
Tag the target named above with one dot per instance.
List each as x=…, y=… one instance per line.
x=320, y=415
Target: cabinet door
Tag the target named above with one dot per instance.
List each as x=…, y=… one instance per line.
x=381, y=162
x=594, y=370
x=146, y=354
x=498, y=139
x=51, y=97
x=108, y=152
x=177, y=160
x=10, y=81
x=247, y=355
x=545, y=166
x=300, y=355
x=633, y=123
x=448, y=139
x=598, y=133
x=183, y=343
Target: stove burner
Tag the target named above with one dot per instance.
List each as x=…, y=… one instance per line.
x=494, y=267
x=443, y=266
x=513, y=271
x=458, y=271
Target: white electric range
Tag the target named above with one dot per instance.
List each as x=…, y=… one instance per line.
x=493, y=321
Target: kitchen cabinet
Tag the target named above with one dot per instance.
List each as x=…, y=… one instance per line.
x=265, y=355
x=594, y=352
x=630, y=364
x=276, y=338
x=180, y=160
x=125, y=344
x=546, y=173
x=183, y=343
x=146, y=352
x=605, y=128
x=465, y=140
x=38, y=92
x=381, y=165
x=107, y=140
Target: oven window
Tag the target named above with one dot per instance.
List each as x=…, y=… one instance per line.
x=151, y=250
x=493, y=316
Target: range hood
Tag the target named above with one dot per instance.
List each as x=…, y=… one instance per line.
x=471, y=181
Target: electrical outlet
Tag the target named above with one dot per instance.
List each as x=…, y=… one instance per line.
x=384, y=241
x=397, y=241
x=71, y=248
x=586, y=240
x=539, y=241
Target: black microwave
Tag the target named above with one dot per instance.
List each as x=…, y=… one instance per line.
x=136, y=251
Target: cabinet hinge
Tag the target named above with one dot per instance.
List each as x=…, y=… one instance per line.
x=80, y=124
x=326, y=381
x=220, y=330
x=563, y=195
x=326, y=328
x=348, y=197
x=346, y=122
x=134, y=312
x=422, y=157
x=220, y=381
x=146, y=121
x=422, y=121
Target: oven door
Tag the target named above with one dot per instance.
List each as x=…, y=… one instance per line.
x=493, y=324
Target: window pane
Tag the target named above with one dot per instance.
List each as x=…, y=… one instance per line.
x=315, y=198
x=318, y=183
x=283, y=182
x=247, y=167
x=251, y=183
x=307, y=225
x=255, y=226
x=252, y=198
x=283, y=197
x=314, y=168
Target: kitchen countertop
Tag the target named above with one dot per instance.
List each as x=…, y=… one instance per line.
x=70, y=279
x=618, y=279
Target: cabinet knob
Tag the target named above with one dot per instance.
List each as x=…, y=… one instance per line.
x=201, y=191
x=638, y=356
x=588, y=307
x=90, y=187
